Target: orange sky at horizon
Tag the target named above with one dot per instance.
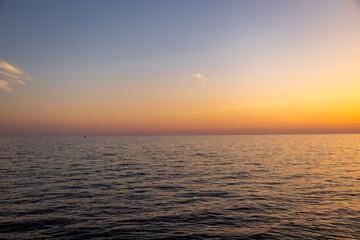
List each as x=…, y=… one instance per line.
x=321, y=115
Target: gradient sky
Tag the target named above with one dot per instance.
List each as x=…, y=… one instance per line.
x=179, y=67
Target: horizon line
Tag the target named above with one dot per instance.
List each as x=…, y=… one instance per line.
x=188, y=134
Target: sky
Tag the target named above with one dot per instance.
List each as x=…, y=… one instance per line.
x=162, y=67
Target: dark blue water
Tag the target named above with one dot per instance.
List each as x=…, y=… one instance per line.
x=191, y=187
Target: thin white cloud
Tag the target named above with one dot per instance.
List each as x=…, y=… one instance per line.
x=201, y=79
x=10, y=74
x=194, y=79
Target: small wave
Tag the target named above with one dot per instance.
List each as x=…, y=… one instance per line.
x=109, y=154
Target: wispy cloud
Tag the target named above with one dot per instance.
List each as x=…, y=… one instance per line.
x=10, y=75
x=194, y=79
x=5, y=85
x=201, y=79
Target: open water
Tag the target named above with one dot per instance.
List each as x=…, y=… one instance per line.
x=181, y=187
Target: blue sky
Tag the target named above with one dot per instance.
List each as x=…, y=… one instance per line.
x=48, y=34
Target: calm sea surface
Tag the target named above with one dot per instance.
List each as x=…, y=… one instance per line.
x=188, y=187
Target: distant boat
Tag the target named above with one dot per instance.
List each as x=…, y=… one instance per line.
x=85, y=136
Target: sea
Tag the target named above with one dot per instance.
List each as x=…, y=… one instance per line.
x=180, y=187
